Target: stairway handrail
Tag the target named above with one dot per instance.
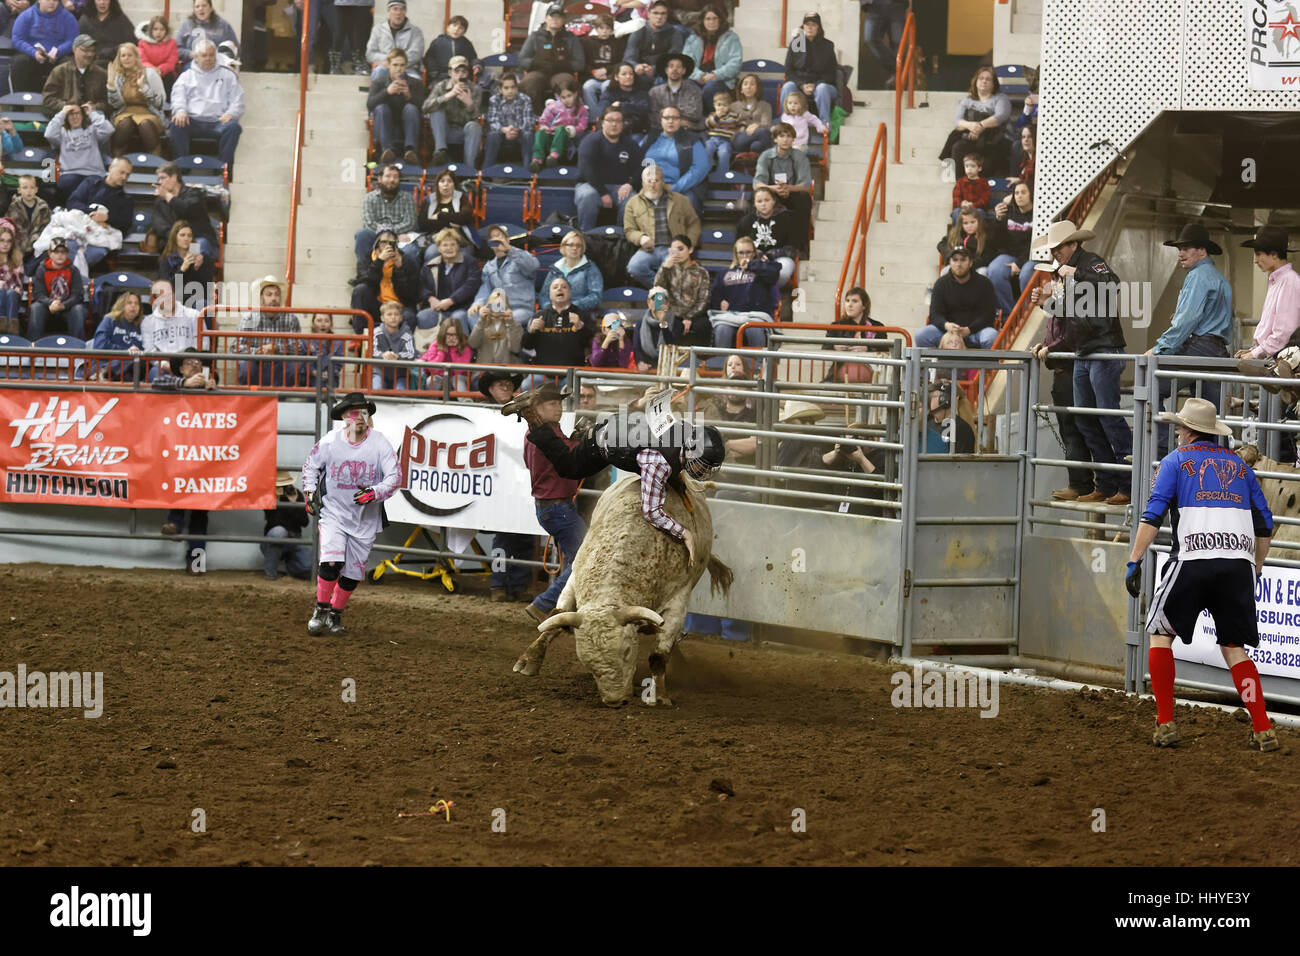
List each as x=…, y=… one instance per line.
x=873, y=187
x=295, y=185
x=904, y=74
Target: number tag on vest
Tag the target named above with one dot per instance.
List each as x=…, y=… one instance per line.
x=658, y=415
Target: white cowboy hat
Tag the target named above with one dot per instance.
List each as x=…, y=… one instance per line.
x=1198, y=414
x=1059, y=233
x=794, y=411
x=269, y=280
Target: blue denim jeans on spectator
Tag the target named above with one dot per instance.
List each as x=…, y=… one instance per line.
x=94, y=254
x=471, y=134
x=227, y=135
x=727, y=628
x=999, y=273
x=292, y=553
x=1109, y=438
x=512, y=577
x=882, y=30
x=385, y=127
x=643, y=265
x=929, y=336
x=592, y=90
x=1207, y=345
x=561, y=521
x=495, y=141
x=755, y=142
x=9, y=299
x=587, y=199
x=429, y=319
x=74, y=318
x=824, y=95
x=718, y=147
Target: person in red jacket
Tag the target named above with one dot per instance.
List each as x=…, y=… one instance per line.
x=56, y=288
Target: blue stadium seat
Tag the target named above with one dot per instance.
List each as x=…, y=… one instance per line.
x=549, y=235
x=202, y=170
x=459, y=170
x=110, y=285
x=1013, y=79
x=605, y=232
x=22, y=101
x=555, y=191
x=499, y=63
x=29, y=161
x=14, y=366
x=507, y=193
x=766, y=69
x=623, y=297
x=141, y=161
x=51, y=368
x=715, y=246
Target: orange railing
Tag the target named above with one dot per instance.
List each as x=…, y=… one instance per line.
x=804, y=369
x=904, y=74
x=873, y=188
x=295, y=187
x=784, y=39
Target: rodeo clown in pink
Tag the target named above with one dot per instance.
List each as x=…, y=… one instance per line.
x=345, y=477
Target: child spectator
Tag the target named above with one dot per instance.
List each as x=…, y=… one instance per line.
x=57, y=289
x=183, y=262
x=444, y=47
x=31, y=215
x=158, y=49
x=322, y=324
x=969, y=234
x=972, y=188
x=787, y=171
x=80, y=140
x=612, y=348
x=286, y=521
x=722, y=126
x=743, y=293
x=10, y=141
x=394, y=105
x=755, y=115
x=13, y=281
x=796, y=115
x=510, y=119
x=603, y=52
x=393, y=342
x=495, y=340
x=120, y=329
x=564, y=118
x=769, y=226
x=687, y=283
x=1022, y=155
x=449, y=346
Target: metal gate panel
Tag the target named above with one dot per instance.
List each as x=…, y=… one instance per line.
x=1069, y=611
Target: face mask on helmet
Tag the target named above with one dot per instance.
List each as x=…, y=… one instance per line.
x=703, y=463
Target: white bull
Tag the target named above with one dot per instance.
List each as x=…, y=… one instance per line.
x=629, y=578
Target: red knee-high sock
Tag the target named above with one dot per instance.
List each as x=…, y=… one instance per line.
x=1160, y=662
x=340, y=599
x=1246, y=677
x=324, y=590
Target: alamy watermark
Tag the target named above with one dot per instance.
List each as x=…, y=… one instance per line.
x=82, y=690
x=1088, y=300
x=947, y=688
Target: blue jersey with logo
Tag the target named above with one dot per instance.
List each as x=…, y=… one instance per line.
x=1214, y=501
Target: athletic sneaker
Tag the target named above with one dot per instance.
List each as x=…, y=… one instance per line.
x=1265, y=740
x=1166, y=735
x=319, y=622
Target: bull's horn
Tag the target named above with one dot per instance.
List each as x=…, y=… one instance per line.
x=563, y=619
x=635, y=614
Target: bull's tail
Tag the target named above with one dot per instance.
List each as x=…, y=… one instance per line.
x=720, y=576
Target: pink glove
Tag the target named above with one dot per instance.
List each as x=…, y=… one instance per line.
x=364, y=496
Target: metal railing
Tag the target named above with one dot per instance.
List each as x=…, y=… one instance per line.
x=904, y=75
x=873, y=190
x=299, y=131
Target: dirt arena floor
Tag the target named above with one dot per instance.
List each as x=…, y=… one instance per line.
x=216, y=698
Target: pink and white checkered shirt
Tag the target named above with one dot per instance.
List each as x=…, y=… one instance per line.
x=655, y=472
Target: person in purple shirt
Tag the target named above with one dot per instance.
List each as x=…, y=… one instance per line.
x=42, y=37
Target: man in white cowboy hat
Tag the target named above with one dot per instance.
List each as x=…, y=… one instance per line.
x=346, y=476
x=269, y=293
x=1221, y=528
x=1093, y=320
x=1202, y=320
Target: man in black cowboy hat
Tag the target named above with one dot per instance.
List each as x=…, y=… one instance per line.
x=1280, y=317
x=508, y=581
x=678, y=90
x=554, y=495
x=1202, y=320
x=345, y=477
x=626, y=441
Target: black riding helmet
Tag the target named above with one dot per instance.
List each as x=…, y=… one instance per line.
x=705, y=458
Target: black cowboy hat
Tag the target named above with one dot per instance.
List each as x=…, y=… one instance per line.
x=491, y=377
x=1194, y=234
x=352, y=400
x=1269, y=238
x=686, y=62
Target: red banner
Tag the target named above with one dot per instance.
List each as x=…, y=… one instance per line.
x=137, y=450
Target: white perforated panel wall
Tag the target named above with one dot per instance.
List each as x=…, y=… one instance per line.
x=1110, y=66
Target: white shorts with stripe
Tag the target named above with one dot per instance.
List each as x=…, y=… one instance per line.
x=337, y=545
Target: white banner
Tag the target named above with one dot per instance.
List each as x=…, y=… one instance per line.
x=462, y=467
x=1272, y=44
x=1277, y=608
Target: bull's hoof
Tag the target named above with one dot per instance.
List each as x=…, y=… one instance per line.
x=527, y=666
x=613, y=704
x=659, y=702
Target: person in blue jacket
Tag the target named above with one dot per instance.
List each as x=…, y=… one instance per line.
x=510, y=269
x=42, y=37
x=745, y=292
x=119, y=330
x=716, y=51
x=586, y=284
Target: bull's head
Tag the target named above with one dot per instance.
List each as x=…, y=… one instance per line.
x=606, y=639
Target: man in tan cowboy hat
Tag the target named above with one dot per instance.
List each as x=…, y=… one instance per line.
x=285, y=522
x=269, y=293
x=1088, y=299
x=1222, y=528
x=1202, y=320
